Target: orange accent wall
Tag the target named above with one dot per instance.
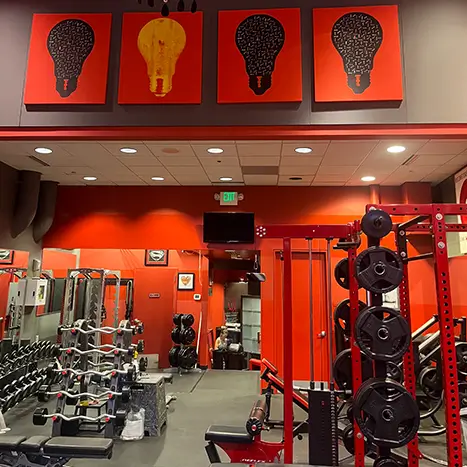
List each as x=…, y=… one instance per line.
x=171, y=218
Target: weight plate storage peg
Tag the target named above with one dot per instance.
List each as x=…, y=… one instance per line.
x=177, y=319
x=173, y=356
x=376, y=223
x=342, y=315
x=187, y=336
x=382, y=333
x=386, y=413
x=188, y=320
x=378, y=270
x=176, y=336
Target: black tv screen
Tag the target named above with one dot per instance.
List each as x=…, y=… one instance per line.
x=229, y=227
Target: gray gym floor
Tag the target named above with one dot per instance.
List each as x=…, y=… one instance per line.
x=203, y=399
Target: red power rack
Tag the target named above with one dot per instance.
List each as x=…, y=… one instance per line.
x=308, y=232
x=431, y=218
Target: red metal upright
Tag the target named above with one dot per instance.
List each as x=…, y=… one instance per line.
x=356, y=355
x=287, y=342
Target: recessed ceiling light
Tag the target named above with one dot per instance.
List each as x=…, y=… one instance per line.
x=303, y=150
x=128, y=150
x=226, y=179
x=295, y=178
x=215, y=150
x=396, y=149
x=43, y=151
x=368, y=178
x=158, y=179
x=90, y=179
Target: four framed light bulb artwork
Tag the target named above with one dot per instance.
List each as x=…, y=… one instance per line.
x=356, y=56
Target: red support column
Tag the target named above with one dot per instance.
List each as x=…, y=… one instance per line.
x=287, y=342
x=356, y=356
x=448, y=350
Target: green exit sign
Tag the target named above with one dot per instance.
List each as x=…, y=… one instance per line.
x=229, y=198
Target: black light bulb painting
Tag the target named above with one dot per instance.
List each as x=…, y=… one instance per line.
x=357, y=37
x=69, y=44
x=260, y=38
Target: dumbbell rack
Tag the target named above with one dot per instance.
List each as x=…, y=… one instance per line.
x=76, y=365
x=23, y=371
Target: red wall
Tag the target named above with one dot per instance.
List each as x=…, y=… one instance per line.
x=171, y=217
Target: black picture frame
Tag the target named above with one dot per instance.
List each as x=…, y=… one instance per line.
x=189, y=285
x=7, y=256
x=156, y=258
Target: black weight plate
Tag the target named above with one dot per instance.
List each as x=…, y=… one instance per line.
x=188, y=358
x=187, y=336
x=188, y=320
x=394, y=371
x=431, y=382
x=461, y=357
x=378, y=270
x=349, y=441
x=342, y=315
x=382, y=333
x=386, y=413
x=173, y=356
x=463, y=394
x=386, y=462
x=376, y=223
x=177, y=319
x=176, y=335
x=341, y=273
x=342, y=369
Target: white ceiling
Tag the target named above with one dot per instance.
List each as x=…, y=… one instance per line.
x=336, y=163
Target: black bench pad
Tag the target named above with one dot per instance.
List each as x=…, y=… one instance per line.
x=33, y=444
x=228, y=434
x=64, y=446
x=10, y=443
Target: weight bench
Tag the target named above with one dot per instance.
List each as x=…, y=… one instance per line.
x=243, y=444
x=45, y=451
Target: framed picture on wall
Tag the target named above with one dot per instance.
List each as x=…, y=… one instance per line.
x=357, y=54
x=259, y=56
x=6, y=256
x=186, y=281
x=161, y=58
x=156, y=258
x=68, y=59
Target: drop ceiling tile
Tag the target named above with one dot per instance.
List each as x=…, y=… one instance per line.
x=320, y=183
x=319, y=147
x=212, y=143
x=130, y=183
x=58, y=160
x=219, y=161
x=300, y=161
x=260, y=179
x=192, y=180
x=173, y=150
x=408, y=174
x=182, y=170
x=356, y=179
x=129, y=177
x=297, y=171
x=201, y=149
x=411, y=147
x=114, y=149
x=87, y=150
x=436, y=177
x=21, y=162
x=337, y=170
x=169, y=161
x=332, y=178
x=29, y=146
x=443, y=146
x=137, y=161
x=216, y=172
x=260, y=161
x=259, y=148
x=150, y=171
x=348, y=152
x=435, y=160
x=458, y=161
x=284, y=180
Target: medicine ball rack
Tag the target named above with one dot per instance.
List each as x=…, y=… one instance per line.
x=106, y=388
x=424, y=218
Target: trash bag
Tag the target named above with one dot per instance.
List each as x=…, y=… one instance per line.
x=134, y=426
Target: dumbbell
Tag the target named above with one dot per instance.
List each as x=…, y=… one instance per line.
x=38, y=417
x=120, y=416
x=72, y=400
x=140, y=346
x=126, y=394
x=42, y=393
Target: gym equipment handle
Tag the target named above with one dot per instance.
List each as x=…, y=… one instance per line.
x=78, y=417
x=87, y=394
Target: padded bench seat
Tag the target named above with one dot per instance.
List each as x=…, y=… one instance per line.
x=64, y=446
x=228, y=434
x=33, y=444
x=10, y=443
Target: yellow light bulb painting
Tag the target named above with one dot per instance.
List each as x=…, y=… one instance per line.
x=161, y=42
